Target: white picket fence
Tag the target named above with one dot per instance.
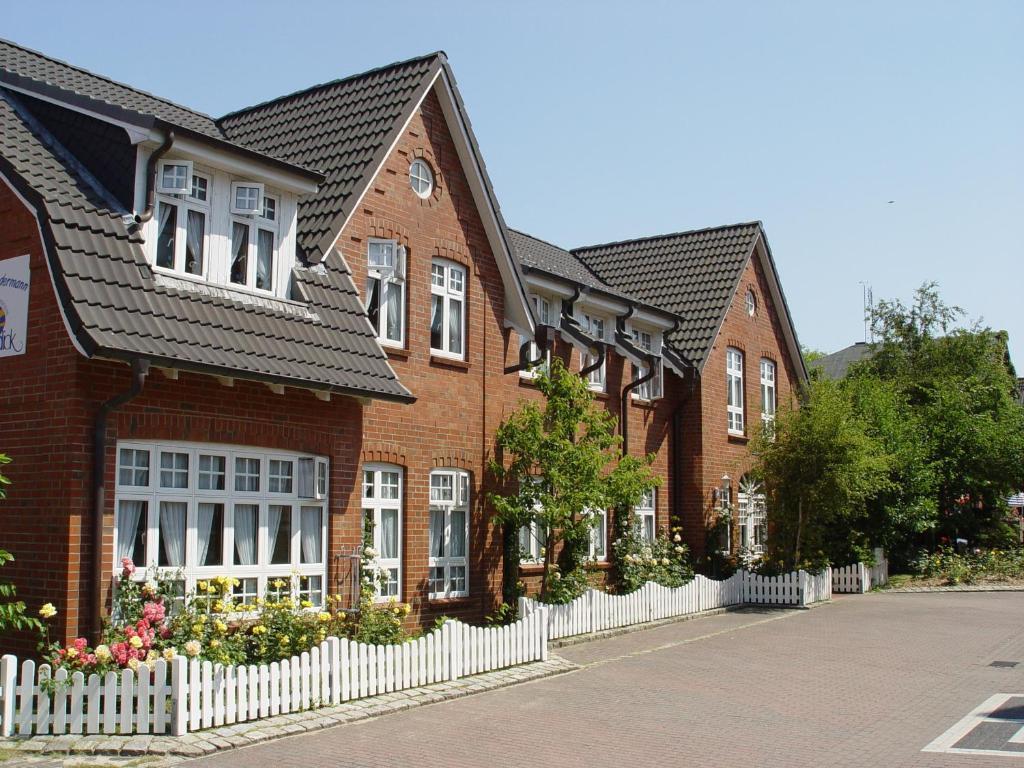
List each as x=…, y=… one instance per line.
x=179, y=696
x=859, y=578
x=594, y=611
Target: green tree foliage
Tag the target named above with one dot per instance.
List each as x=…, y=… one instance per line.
x=12, y=610
x=561, y=457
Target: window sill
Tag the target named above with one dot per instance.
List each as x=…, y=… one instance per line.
x=452, y=601
x=527, y=381
x=598, y=565
x=740, y=439
x=649, y=405
x=395, y=353
x=450, y=362
x=531, y=569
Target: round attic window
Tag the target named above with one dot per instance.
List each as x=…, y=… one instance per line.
x=751, y=303
x=421, y=178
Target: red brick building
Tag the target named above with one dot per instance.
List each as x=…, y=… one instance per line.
x=245, y=335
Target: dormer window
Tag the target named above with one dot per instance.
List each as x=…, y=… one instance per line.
x=175, y=177
x=246, y=197
x=182, y=228
x=650, y=389
x=253, y=246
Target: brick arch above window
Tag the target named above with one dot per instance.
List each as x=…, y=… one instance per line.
x=453, y=250
x=452, y=460
x=386, y=229
x=384, y=453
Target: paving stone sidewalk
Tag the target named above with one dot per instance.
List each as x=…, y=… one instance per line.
x=958, y=588
x=46, y=751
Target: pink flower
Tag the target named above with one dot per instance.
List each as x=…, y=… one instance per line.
x=153, y=612
x=165, y=632
x=80, y=643
x=127, y=567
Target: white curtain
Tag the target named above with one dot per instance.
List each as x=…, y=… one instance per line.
x=264, y=259
x=309, y=525
x=273, y=526
x=129, y=513
x=436, y=533
x=240, y=245
x=245, y=534
x=205, y=528
x=196, y=224
x=389, y=533
x=172, y=533
x=394, y=330
x=455, y=326
x=458, y=547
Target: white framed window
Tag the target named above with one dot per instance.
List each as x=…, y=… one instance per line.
x=752, y=516
x=734, y=389
x=447, y=308
x=595, y=326
x=532, y=540
x=254, y=246
x=652, y=389
x=183, y=228
x=768, y=397
x=421, y=178
x=174, y=177
x=598, y=549
x=448, y=533
x=385, y=290
x=646, y=515
x=542, y=305
x=203, y=510
x=246, y=198
x=751, y=303
x=382, y=506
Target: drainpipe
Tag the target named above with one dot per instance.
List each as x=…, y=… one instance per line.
x=154, y=158
x=140, y=367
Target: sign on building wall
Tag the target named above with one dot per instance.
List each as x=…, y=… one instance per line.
x=14, y=282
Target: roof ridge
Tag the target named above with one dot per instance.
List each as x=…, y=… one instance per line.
x=756, y=222
x=329, y=83
x=579, y=261
x=118, y=83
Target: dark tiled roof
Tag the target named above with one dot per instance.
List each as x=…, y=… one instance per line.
x=118, y=308
x=343, y=128
x=836, y=365
x=691, y=274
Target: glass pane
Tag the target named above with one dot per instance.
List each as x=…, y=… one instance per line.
x=436, y=533
x=132, y=523
x=455, y=327
x=247, y=591
x=167, y=219
x=133, y=467
x=173, y=176
x=649, y=527
x=210, y=534
x=437, y=580
x=239, y=253
x=279, y=533
x=394, y=311
x=455, y=279
x=173, y=470
x=264, y=260
x=458, y=537
x=437, y=275
x=389, y=533
x=373, y=302
x=199, y=188
x=195, y=242
x=212, y=471
x=458, y=581
x=280, y=475
x=246, y=529
x=441, y=487
x=172, y=534
x=269, y=208
x=389, y=485
x=436, y=320
x=310, y=530
x=381, y=254
x=247, y=198
x=367, y=484
x=247, y=474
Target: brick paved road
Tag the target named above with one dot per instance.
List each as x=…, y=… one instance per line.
x=866, y=681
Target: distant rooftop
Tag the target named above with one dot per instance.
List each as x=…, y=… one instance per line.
x=837, y=365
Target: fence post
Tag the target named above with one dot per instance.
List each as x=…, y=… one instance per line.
x=802, y=584
x=543, y=616
x=454, y=649
x=8, y=675
x=179, y=697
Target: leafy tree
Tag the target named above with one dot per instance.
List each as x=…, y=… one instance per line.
x=820, y=467
x=562, y=457
x=12, y=610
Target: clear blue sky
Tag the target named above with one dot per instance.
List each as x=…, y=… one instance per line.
x=604, y=121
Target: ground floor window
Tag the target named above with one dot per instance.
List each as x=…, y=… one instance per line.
x=195, y=511
x=646, y=516
x=753, y=515
x=449, y=533
x=382, y=525
x=599, y=535
x=532, y=539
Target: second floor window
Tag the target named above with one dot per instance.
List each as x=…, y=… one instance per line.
x=253, y=246
x=595, y=327
x=447, y=308
x=734, y=388
x=542, y=306
x=183, y=228
x=768, y=400
x=651, y=389
x=385, y=290
x=449, y=533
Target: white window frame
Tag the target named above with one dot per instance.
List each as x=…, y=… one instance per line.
x=376, y=505
x=189, y=171
x=597, y=379
x=752, y=516
x=533, y=535
x=459, y=501
x=183, y=203
x=648, y=341
x=191, y=571
x=750, y=303
x=428, y=177
x=734, y=390
x=542, y=305
x=598, y=534
x=769, y=393
x=646, y=512
x=255, y=224
x=391, y=280
x=255, y=186
x=450, y=293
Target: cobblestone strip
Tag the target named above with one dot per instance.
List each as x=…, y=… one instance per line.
x=563, y=642
x=960, y=588
x=243, y=734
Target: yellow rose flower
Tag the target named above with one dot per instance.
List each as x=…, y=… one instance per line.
x=220, y=626
x=152, y=655
x=197, y=629
x=47, y=611
x=278, y=584
x=324, y=616
x=135, y=641
x=307, y=603
x=72, y=652
x=169, y=653
x=215, y=643
x=201, y=586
